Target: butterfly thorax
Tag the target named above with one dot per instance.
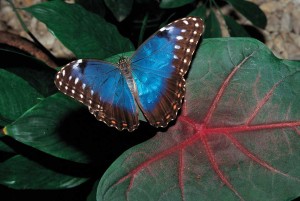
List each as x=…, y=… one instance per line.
x=124, y=66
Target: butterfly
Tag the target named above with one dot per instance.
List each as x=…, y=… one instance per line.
x=151, y=79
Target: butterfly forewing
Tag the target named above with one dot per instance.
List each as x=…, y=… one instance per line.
x=101, y=87
x=153, y=78
x=159, y=66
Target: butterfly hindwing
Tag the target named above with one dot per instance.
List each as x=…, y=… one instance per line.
x=159, y=65
x=102, y=87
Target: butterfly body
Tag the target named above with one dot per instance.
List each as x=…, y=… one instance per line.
x=151, y=79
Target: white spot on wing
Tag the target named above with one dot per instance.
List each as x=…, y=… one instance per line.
x=183, y=30
x=175, y=57
x=185, y=22
x=177, y=47
x=63, y=72
x=83, y=86
x=162, y=29
x=76, y=80
x=179, y=37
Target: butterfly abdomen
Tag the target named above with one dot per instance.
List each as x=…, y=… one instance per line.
x=124, y=65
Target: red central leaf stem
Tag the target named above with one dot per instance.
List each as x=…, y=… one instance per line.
x=215, y=165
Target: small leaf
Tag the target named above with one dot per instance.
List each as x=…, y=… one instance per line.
x=212, y=26
x=120, y=9
x=86, y=34
x=174, y=3
x=16, y=97
x=199, y=12
x=234, y=28
x=237, y=137
x=251, y=11
x=19, y=172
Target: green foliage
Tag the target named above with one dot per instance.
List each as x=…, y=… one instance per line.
x=70, y=21
x=237, y=138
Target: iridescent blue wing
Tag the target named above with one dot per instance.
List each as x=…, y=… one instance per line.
x=102, y=87
x=159, y=65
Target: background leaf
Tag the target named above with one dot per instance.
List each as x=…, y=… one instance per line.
x=92, y=36
x=251, y=11
x=36, y=73
x=235, y=29
x=40, y=126
x=237, y=137
x=212, y=26
x=199, y=12
x=120, y=9
x=21, y=173
x=173, y=3
x=16, y=97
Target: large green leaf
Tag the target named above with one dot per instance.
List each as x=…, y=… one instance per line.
x=16, y=97
x=19, y=172
x=237, y=137
x=86, y=34
x=251, y=11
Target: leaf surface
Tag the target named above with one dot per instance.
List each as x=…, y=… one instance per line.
x=86, y=34
x=237, y=138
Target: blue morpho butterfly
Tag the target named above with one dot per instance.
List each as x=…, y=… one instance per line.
x=152, y=78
